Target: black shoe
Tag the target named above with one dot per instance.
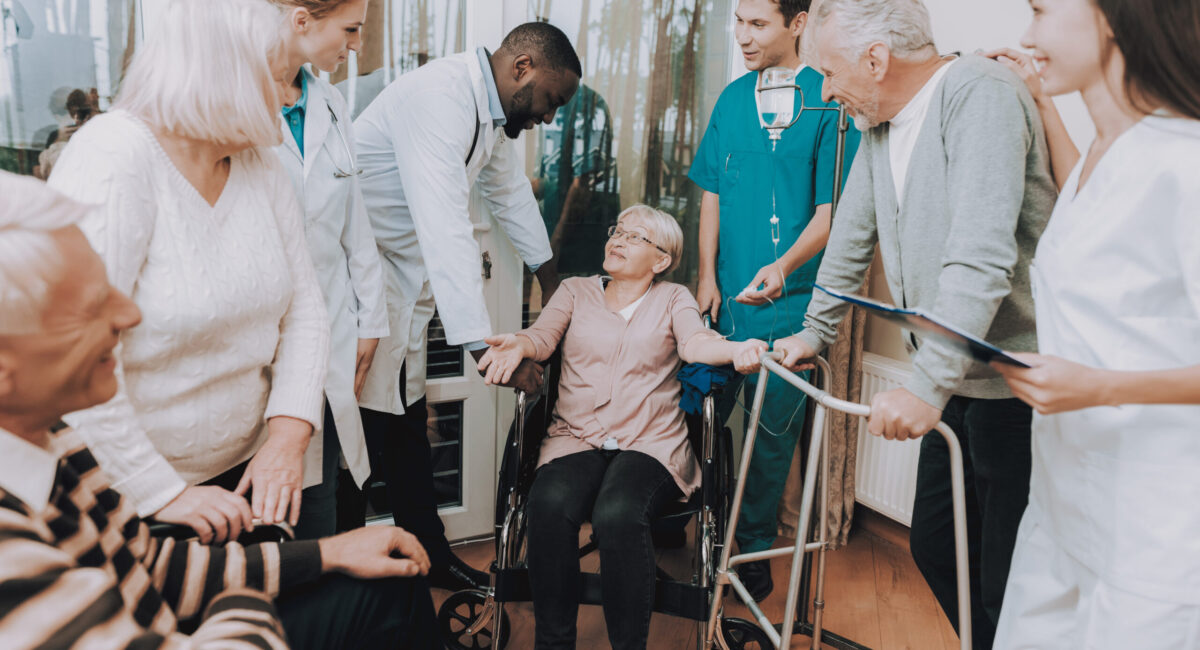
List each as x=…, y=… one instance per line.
x=756, y=577
x=459, y=576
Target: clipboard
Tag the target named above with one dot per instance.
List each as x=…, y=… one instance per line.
x=925, y=323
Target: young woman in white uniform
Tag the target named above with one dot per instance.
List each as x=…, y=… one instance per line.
x=317, y=152
x=1108, y=552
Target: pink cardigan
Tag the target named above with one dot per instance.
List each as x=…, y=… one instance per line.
x=618, y=378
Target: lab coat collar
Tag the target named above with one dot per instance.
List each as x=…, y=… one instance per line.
x=316, y=121
x=27, y=471
x=495, y=108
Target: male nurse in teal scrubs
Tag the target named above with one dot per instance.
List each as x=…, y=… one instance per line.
x=752, y=286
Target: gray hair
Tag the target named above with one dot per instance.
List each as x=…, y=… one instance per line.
x=664, y=229
x=902, y=25
x=30, y=259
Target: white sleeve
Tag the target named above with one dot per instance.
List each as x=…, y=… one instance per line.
x=103, y=166
x=358, y=241
x=431, y=132
x=302, y=355
x=509, y=195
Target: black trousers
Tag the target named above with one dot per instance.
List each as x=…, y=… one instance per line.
x=995, y=439
x=621, y=492
x=401, y=458
x=338, y=612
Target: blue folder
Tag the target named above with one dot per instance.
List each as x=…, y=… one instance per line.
x=925, y=323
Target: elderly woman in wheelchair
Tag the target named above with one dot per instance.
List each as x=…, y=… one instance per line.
x=616, y=452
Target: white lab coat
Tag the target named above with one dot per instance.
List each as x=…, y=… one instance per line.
x=346, y=259
x=412, y=143
x=1116, y=282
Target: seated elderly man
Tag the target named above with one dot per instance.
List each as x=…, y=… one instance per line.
x=617, y=450
x=77, y=567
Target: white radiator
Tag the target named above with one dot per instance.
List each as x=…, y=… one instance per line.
x=886, y=475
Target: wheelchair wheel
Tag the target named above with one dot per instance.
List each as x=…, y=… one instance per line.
x=457, y=614
x=740, y=634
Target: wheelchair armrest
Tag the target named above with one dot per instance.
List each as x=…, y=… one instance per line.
x=280, y=532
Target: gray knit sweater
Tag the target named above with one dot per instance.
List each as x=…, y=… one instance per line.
x=977, y=196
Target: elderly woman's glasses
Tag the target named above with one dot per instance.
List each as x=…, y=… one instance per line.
x=614, y=232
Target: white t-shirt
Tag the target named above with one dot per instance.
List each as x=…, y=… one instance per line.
x=906, y=126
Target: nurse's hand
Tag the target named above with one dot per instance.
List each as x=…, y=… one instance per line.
x=1022, y=64
x=767, y=286
x=362, y=364
x=1055, y=385
x=275, y=473
x=899, y=415
x=708, y=296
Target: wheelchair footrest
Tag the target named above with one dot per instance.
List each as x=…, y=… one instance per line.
x=681, y=599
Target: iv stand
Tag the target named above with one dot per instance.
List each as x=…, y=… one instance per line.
x=803, y=626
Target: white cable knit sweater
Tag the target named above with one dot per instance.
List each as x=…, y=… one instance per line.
x=234, y=330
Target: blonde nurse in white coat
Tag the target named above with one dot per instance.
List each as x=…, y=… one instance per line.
x=1108, y=552
x=317, y=152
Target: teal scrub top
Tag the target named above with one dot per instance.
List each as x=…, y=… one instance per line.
x=294, y=114
x=735, y=161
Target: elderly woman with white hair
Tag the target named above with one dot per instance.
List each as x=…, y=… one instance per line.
x=223, y=381
x=617, y=449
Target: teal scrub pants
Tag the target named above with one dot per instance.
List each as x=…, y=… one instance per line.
x=780, y=425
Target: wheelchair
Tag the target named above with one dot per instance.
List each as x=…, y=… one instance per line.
x=476, y=618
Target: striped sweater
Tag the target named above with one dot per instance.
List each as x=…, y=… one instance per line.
x=85, y=573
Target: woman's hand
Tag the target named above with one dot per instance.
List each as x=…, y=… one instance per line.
x=1022, y=64
x=746, y=358
x=501, y=359
x=770, y=278
x=216, y=514
x=796, y=355
x=275, y=475
x=362, y=364
x=1055, y=385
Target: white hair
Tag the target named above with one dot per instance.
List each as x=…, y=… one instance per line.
x=204, y=72
x=664, y=230
x=902, y=25
x=30, y=259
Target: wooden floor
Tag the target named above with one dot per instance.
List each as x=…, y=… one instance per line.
x=874, y=596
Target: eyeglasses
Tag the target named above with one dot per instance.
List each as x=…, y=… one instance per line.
x=628, y=235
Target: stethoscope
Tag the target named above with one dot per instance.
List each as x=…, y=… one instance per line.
x=339, y=172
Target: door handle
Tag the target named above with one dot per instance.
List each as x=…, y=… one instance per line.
x=486, y=260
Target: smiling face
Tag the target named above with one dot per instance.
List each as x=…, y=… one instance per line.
x=765, y=39
x=326, y=42
x=1068, y=39
x=849, y=82
x=68, y=365
x=629, y=256
x=539, y=94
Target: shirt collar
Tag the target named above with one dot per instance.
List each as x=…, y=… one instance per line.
x=915, y=106
x=494, y=107
x=27, y=471
x=301, y=104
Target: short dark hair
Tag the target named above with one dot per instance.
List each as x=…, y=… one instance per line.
x=792, y=8
x=1162, y=68
x=546, y=44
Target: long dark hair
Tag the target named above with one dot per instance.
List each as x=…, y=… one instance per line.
x=1160, y=41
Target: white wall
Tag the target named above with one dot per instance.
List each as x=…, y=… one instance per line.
x=966, y=26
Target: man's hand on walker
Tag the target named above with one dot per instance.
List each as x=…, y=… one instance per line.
x=899, y=415
x=796, y=354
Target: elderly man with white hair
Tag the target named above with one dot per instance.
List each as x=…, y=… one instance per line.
x=78, y=569
x=952, y=182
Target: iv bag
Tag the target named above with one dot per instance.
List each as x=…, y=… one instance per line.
x=777, y=107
